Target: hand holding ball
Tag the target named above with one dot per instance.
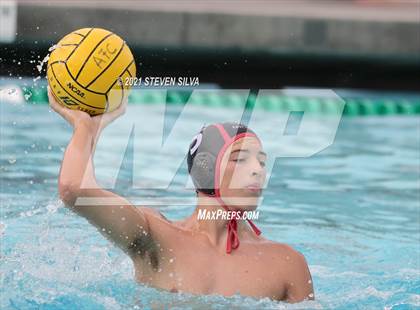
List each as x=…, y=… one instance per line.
x=87, y=71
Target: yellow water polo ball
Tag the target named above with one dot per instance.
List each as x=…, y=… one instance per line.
x=88, y=70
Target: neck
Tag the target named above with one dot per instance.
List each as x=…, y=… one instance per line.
x=214, y=229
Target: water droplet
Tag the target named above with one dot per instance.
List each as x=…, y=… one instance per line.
x=171, y=260
x=49, y=147
x=2, y=228
x=123, y=219
x=41, y=63
x=51, y=208
x=311, y=295
x=309, y=281
x=52, y=48
x=12, y=161
x=171, y=275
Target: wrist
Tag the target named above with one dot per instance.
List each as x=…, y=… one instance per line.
x=83, y=124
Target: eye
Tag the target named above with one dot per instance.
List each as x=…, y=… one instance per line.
x=262, y=163
x=238, y=160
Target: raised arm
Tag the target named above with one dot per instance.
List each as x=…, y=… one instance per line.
x=112, y=215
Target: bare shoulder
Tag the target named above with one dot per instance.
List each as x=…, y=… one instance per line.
x=290, y=253
x=294, y=259
x=280, y=249
x=287, y=258
x=294, y=271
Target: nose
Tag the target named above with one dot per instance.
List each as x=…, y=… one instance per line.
x=257, y=168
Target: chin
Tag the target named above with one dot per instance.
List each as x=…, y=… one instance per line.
x=251, y=204
x=250, y=208
x=243, y=199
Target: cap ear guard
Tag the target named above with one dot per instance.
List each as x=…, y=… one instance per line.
x=203, y=152
x=202, y=172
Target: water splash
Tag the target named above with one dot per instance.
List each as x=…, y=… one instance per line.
x=40, y=66
x=52, y=208
x=55, y=46
x=42, y=62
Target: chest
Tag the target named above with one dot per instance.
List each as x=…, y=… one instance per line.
x=201, y=271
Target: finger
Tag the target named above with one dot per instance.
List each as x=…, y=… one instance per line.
x=53, y=102
x=121, y=108
x=57, y=107
x=110, y=116
x=116, y=113
x=51, y=97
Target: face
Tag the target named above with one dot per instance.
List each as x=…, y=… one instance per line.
x=243, y=174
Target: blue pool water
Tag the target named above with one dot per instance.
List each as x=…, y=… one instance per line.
x=352, y=210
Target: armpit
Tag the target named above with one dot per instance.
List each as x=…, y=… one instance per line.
x=145, y=247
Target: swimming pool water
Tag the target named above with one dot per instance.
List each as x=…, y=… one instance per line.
x=352, y=210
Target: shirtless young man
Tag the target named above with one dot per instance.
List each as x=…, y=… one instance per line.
x=191, y=255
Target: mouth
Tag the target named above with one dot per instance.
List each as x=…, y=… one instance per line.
x=254, y=188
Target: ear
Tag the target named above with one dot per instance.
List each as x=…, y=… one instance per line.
x=202, y=170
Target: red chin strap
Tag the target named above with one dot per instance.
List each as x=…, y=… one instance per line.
x=232, y=241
